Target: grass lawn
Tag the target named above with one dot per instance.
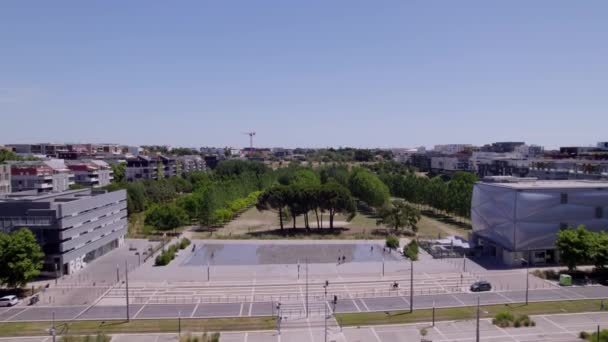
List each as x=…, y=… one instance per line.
x=137, y=326
x=469, y=312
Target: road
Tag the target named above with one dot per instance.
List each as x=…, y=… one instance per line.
x=294, y=308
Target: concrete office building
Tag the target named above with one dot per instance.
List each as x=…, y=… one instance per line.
x=73, y=227
x=5, y=179
x=516, y=217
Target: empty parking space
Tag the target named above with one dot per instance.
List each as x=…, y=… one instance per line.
x=386, y=303
x=110, y=312
x=46, y=314
x=166, y=310
x=218, y=310
x=6, y=313
x=262, y=309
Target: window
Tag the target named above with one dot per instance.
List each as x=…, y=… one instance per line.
x=564, y=198
x=599, y=212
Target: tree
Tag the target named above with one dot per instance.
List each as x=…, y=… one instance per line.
x=599, y=249
x=166, y=217
x=392, y=242
x=574, y=246
x=274, y=198
x=21, y=258
x=411, y=251
x=118, y=171
x=399, y=215
x=368, y=187
x=335, y=198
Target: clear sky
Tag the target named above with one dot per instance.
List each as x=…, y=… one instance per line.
x=304, y=73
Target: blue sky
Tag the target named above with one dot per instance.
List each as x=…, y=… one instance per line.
x=304, y=73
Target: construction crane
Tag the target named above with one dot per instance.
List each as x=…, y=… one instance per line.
x=251, y=134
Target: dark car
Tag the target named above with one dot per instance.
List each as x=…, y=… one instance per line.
x=480, y=286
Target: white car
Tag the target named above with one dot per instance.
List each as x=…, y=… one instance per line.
x=9, y=301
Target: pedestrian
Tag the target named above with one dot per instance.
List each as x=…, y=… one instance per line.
x=343, y=259
x=338, y=260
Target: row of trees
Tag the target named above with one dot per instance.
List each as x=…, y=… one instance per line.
x=301, y=199
x=451, y=196
x=580, y=246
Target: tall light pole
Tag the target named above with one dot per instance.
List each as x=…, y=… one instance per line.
x=477, y=330
x=127, y=290
x=325, y=305
x=527, y=274
x=411, y=285
x=306, y=287
x=179, y=324
x=383, y=265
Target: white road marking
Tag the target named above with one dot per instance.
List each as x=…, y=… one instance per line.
x=365, y=305
x=356, y=306
x=241, y=311
x=375, y=334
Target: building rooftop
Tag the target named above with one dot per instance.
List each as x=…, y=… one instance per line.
x=533, y=183
x=59, y=197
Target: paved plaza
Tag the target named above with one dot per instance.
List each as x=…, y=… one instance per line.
x=562, y=328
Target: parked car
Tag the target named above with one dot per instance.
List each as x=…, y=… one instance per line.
x=9, y=301
x=480, y=286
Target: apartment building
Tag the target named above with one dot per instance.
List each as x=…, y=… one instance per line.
x=40, y=176
x=47, y=149
x=73, y=227
x=141, y=167
x=5, y=179
x=452, y=148
x=93, y=173
x=191, y=163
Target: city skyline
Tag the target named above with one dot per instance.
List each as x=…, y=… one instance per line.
x=309, y=75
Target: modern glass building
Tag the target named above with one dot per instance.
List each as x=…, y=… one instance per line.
x=516, y=219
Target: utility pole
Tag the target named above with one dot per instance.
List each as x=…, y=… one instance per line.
x=411, y=285
x=127, y=289
x=383, y=265
x=325, y=305
x=179, y=324
x=477, y=330
x=208, y=273
x=53, y=327
x=527, y=277
x=306, y=287
x=464, y=262
x=117, y=274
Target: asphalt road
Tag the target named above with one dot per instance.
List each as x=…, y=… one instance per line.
x=204, y=310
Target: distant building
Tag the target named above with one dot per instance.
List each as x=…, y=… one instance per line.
x=5, y=179
x=191, y=163
x=514, y=217
x=452, y=148
x=529, y=151
x=450, y=164
x=41, y=176
x=73, y=227
x=93, y=173
x=141, y=167
x=43, y=148
x=603, y=145
x=502, y=147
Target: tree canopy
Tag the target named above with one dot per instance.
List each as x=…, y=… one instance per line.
x=368, y=188
x=21, y=258
x=399, y=215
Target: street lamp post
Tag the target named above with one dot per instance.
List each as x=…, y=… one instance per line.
x=527, y=275
x=411, y=285
x=383, y=265
x=306, y=287
x=325, y=305
x=179, y=324
x=127, y=289
x=477, y=330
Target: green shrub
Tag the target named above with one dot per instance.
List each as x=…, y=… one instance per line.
x=410, y=250
x=167, y=255
x=583, y=335
x=503, y=319
x=184, y=243
x=603, y=336
x=392, y=242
